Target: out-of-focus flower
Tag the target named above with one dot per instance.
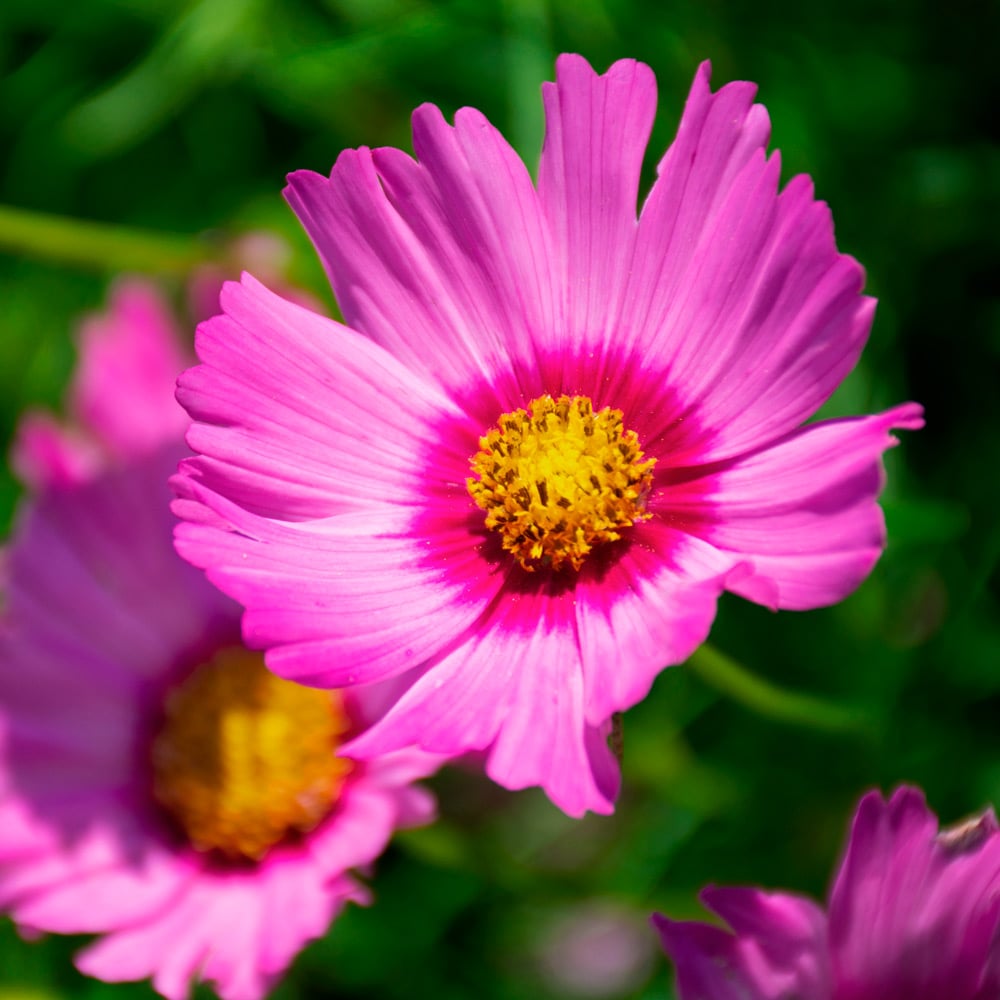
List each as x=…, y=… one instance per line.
x=596, y=949
x=551, y=433
x=913, y=915
x=158, y=786
x=120, y=401
x=261, y=253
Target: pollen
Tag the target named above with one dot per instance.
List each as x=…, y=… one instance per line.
x=245, y=760
x=558, y=479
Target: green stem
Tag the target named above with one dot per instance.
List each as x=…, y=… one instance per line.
x=734, y=680
x=99, y=246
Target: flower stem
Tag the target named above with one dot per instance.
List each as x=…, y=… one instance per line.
x=733, y=680
x=99, y=246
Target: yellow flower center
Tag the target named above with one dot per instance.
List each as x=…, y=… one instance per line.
x=245, y=759
x=559, y=480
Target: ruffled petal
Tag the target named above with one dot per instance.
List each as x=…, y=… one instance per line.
x=645, y=611
x=446, y=261
x=299, y=417
x=83, y=862
x=170, y=948
x=597, y=128
x=737, y=290
x=777, y=948
x=238, y=930
x=802, y=511
x=913, y=914
x=351, y=600
x=297, y=906
x=515, y=686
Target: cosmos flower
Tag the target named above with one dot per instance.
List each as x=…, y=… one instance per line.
x=119, y=401
x=914, y=914
x=158, y=786
x=550, y=433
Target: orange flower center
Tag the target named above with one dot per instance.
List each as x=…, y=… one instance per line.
x=245, y=759
x=559, y=480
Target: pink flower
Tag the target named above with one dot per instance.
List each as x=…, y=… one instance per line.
x=121, y=395
x=156, y=788
x=913, y=915
x=550, y=434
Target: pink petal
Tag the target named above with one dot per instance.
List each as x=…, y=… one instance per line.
x=778, y=948
x=350, y=600
x=717, y=136
x=597, y=128
x=297, y=905
x=378, y=798
x=912, y=916
x=97, y=901
x=645, y=611
x=237, y=928
x=802, y=511
x=359, y=830
x=741, y=291
x=708, y=962
x=94, y=579
x=790, y=932
x=446, y=261
x=130, y=356
x=114, y=873
x=171, y=948
x=516, y=687
x=45, y=453
x=300, y=417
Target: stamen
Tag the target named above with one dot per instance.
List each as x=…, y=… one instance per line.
x=245, y=759
x=558, y=481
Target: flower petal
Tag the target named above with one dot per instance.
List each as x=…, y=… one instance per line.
x=120, y=596
x=648, y=610
x=123, y=388
x=108, y=873
x=738, y=290
x=446, y=262
x=597, y=128
x=708, y=961
x=300, y=417
x=802, y=511
x=778, y=948
x=236, y=929
x=515, y=687
x=350, y=600
x=913, y=914
x=44, y=452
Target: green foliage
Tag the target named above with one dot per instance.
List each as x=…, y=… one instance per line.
x=183, y=117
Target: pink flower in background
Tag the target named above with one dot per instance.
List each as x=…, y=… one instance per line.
x=121, y=396
x=550, y=434
x=913, y=915
x=158, y=786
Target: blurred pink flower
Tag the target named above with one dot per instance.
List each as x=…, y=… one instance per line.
x=120, y=399
x=913, y=915
x=550, y=434
x=133, y=724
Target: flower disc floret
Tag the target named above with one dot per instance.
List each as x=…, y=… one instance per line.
x=244, y=759
x=559, y=480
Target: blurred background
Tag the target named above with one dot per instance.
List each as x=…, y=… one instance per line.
x=180, y=119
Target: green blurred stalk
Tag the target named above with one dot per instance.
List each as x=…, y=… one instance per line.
x=99, y=246
x=733, y=680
